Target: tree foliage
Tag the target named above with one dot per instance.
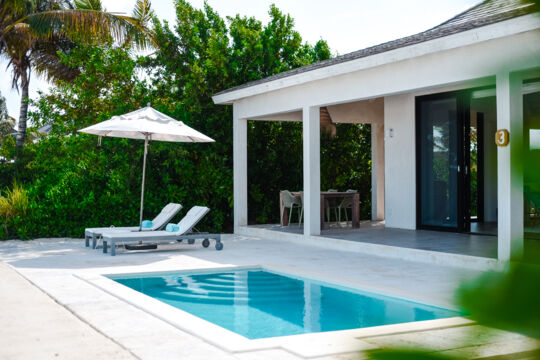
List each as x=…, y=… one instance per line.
x=6, y=122
x=73, y=183
x=33, y=35
x=13, y=205
x=203, y=56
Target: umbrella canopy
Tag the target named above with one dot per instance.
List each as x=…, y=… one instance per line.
x=146, y=124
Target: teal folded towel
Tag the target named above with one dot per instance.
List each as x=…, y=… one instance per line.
x=172, y=227
x=147, y=224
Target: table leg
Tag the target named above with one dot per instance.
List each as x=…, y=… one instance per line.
x=356, y=211
x=285, y=217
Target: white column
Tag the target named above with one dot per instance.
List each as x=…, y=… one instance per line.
x=312, y=170
x=377, y=171
x=510, y=166
x=240, y=171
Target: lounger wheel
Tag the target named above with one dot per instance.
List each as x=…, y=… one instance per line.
x=206, y=243
x=191, y=241
x=219, y=246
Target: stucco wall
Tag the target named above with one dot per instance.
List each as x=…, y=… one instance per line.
x=400, y=164
x=473, y=65
x=452, y=63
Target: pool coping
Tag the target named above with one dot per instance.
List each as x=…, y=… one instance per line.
x=306, y=345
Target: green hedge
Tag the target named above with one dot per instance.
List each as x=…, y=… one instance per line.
x=73, y=183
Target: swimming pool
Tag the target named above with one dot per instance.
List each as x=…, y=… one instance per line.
x=257, y=303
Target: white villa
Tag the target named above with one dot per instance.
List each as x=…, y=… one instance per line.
x=423, y=95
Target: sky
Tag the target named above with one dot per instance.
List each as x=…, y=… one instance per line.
x=347, y=25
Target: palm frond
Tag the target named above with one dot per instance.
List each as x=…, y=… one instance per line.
x=138, y=33
x=14, y=7
x=10, y=12
x=19, y=40
x=32, y=31
x=88, y=5
x=47, y=5
x=47, y=63
x=141, y=18
x=89, y=25
x=47, y=66
x=143, y=12
x=21, y=70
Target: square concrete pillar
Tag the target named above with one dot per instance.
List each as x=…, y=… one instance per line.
x=510, y=166
x=312, y=170
x=240, y=176
x=377, y=171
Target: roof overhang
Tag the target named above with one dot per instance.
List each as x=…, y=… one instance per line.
x=489, y=32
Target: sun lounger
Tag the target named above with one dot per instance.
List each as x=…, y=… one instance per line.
x=159, y=222
x=186, y=225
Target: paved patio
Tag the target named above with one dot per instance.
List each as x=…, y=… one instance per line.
x=34, y=326
x=374, y=232
x=54, y=265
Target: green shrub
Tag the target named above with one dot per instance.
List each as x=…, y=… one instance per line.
x=72, y=183
x=13, y=207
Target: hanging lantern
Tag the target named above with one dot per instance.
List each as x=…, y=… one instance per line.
x=327, y=126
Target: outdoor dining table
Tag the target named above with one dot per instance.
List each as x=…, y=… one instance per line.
x=284, y=212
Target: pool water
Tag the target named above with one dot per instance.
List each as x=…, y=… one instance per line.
x=257, y=303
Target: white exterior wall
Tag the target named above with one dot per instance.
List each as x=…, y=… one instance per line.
x=240, y=176
x=377, y=170
x=510, y=166
x=475, y=65
x=312, y=170
x=461, y=56
x=463, y=60
x=400, y=164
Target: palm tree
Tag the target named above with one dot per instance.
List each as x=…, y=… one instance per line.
x=33, y=32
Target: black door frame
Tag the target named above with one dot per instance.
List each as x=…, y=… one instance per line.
x=463, y=100
x=465, y=178
x=480, y=166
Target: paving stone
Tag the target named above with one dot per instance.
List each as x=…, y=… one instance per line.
x=35, y=327
x=55, y=266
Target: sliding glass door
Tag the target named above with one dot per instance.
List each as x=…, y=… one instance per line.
x=441, y=169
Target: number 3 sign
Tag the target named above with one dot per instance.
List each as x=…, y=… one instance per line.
x=502, y=137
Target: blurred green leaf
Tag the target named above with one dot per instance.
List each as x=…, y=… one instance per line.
x=508, y=300
x=406, y=354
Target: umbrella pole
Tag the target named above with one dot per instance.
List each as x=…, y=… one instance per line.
x=143, y=178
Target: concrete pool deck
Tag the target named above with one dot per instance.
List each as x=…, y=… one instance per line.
x=58, y=266
x=34, y=326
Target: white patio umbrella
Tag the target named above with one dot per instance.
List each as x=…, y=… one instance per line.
x=148, y=124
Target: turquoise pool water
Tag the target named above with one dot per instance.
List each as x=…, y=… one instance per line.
x=257, y=303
